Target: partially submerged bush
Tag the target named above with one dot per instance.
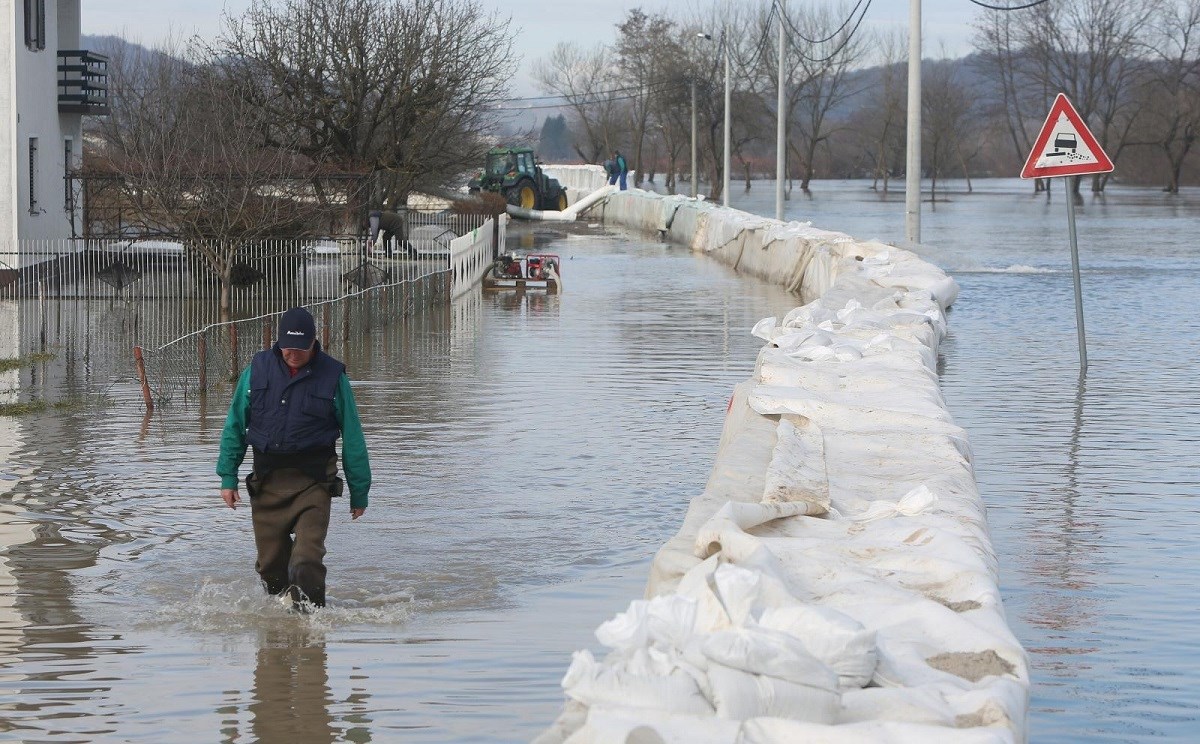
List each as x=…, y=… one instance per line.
x=485, y=202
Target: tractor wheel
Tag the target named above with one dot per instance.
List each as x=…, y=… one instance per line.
x=561, y=202
x=523, y=195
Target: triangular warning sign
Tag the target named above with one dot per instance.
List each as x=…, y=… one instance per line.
x=1065, y=147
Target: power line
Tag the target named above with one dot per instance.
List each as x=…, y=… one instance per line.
x=845, y=41
x=833, y=35
x=662, y=87
x=1010, y=7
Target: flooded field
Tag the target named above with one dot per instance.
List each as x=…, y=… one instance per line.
x=532, y=452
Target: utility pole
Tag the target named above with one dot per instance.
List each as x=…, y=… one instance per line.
x=912, y=167
x=780, y=124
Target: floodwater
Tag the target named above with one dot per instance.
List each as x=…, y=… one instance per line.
x=532, y=452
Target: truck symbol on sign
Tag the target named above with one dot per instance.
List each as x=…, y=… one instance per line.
x=1064, y=144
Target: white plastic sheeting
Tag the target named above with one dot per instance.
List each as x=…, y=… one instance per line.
x=835, y=581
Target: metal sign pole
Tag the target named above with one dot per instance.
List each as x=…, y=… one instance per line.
x=1075, y=270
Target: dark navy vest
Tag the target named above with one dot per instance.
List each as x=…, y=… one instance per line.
x=292, y=414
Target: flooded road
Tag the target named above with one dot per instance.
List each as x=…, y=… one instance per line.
x=530, y=454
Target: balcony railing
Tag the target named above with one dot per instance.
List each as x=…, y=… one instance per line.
x=82, y=82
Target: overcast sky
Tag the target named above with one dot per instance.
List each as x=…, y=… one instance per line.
x=542, y=23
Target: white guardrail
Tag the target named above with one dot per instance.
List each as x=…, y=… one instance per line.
x=471, y=255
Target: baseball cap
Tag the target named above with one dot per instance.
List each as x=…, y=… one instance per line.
x=296, y=329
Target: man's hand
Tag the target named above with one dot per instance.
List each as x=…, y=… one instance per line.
x=355, y=513
x=230, y=497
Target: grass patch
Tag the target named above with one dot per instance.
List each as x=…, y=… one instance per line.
x=22, y=409
x=7, y=365
x=39, y=406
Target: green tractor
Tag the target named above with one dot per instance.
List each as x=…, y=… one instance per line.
x=515, y=173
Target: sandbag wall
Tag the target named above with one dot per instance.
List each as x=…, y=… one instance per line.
x=835, y=581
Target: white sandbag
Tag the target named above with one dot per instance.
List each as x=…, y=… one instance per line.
x=735, y=518
x=667, y=620
x=617, y=725
x=911, y=504
x=925, y=705
x=782, y=731
x=768, y=652
x=592, y=683
x=836, y=639
x=739, y=695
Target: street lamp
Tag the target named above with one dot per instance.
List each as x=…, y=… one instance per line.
x=707, y=37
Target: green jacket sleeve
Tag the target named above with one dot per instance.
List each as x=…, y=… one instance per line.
x=354, y=445
x=233, y=437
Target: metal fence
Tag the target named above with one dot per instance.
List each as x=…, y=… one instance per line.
x=162, y=297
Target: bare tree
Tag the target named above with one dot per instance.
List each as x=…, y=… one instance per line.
x=1170, y=98
x=405, y=89
x=1008, y=69
x=825, y=50
x=191, y=160
x=646, y=49
x=1089, y=49
x=947, y=115
x=885, y=113
x=584, y=80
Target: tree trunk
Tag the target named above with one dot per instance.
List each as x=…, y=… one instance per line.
x=966, y=173
x=226, y=292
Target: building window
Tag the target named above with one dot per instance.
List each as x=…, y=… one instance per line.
x=33, y=148
x=35, y=24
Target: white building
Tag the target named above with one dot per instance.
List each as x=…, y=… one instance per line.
x=47, y=85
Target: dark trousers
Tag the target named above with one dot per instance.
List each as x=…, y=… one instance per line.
x=286, y=503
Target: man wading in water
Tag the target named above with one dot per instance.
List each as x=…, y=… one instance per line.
x=291, y=405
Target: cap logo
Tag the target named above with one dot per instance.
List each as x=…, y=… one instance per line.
x=295, y=333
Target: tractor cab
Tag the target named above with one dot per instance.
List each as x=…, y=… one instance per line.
x=514, y=172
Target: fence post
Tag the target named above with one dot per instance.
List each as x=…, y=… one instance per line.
x=202, y=355
x=346, y=325
x=325, y=326
x=266, y=335
x=141, y=370
x=233, y=352
x=495, y=237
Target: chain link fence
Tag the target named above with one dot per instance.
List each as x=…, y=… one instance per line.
x=72, y=313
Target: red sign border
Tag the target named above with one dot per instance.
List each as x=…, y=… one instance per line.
x=1063, y=106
